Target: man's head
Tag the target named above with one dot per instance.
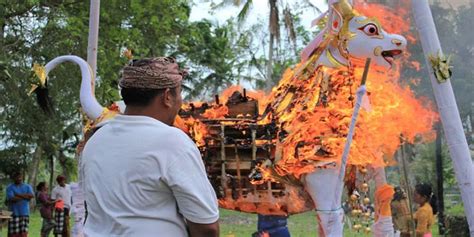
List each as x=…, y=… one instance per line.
x=152, y=87
x=17, y=178
x=61, y=180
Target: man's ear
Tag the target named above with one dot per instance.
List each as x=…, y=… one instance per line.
x=167, y=98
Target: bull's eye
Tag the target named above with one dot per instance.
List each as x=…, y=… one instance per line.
x=370, y=29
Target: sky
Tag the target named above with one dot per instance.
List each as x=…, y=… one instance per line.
x=259, y=11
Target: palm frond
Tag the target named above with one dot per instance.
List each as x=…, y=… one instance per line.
x=225, y=3
x=245, y=11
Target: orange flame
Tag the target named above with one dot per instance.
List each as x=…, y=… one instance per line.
x=316, y=128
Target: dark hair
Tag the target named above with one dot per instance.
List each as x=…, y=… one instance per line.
x=60, y=178
x=426, y=191
x=399, y=194
x=15, y=174
x=40, y=186
x=142, y=97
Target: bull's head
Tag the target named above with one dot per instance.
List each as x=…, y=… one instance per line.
x=350, y=34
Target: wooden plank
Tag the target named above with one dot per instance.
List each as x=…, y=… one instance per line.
x=243, y=109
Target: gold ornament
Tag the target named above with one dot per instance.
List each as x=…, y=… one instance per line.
x=366, y=200
x=367, y=230
x=441, y=66
x=40, y=72
x=127, y=53
x=354, y=197
x=354, y=212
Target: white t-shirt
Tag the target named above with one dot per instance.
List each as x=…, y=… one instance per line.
x=63, y=193
x=141, y=177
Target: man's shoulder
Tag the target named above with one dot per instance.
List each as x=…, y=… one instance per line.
x=25, y=185
x=10, y=186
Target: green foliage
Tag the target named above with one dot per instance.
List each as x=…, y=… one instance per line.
x=38, y=31
x=456, y=210
x=215, y=52
x=422, y=167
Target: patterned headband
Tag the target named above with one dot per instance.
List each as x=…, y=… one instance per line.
x=152, y=73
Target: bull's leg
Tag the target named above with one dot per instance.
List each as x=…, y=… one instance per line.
x=326, y=193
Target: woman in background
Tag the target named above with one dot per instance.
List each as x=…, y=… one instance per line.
x=46, y=209
x=424, y=216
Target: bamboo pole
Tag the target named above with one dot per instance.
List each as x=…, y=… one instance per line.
x=407, y=186
x=355, y=114
x=93, y=36
x=447, y=109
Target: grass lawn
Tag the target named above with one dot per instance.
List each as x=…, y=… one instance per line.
x=237, y=224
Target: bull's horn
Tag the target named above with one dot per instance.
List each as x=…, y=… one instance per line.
x=89, y=104
x=344, y=7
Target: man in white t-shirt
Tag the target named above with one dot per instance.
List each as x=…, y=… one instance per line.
x=61, y=213
x=142, y=176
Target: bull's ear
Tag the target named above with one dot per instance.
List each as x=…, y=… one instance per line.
x=340, y=11
x=335, y=20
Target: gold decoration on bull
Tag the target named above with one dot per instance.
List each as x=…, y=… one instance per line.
x=360, y=202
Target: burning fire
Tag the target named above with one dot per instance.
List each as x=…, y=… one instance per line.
x=313, y=112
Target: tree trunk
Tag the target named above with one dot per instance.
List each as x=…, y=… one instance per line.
x=269, y=81
x=51, y=174
x=62, y=162
x=440, y=179
x=32, y=175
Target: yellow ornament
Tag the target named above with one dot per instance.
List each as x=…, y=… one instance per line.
x=40, y=73
x=363, y=170
x=357, y=227
x=366, y=200
x=127, y=53
x=441, y=67
x=367, y=229
x=354, y=197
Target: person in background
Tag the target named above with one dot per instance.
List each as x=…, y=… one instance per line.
x=62, y=195
x=401, y=213
x=272, y=226
x=46, y=208
x=424, y=216
x=19, y=195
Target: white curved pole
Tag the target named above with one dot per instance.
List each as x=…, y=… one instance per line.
x=91, y=107
x=448, y=110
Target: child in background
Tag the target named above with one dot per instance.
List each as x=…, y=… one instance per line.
x=424, y=216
